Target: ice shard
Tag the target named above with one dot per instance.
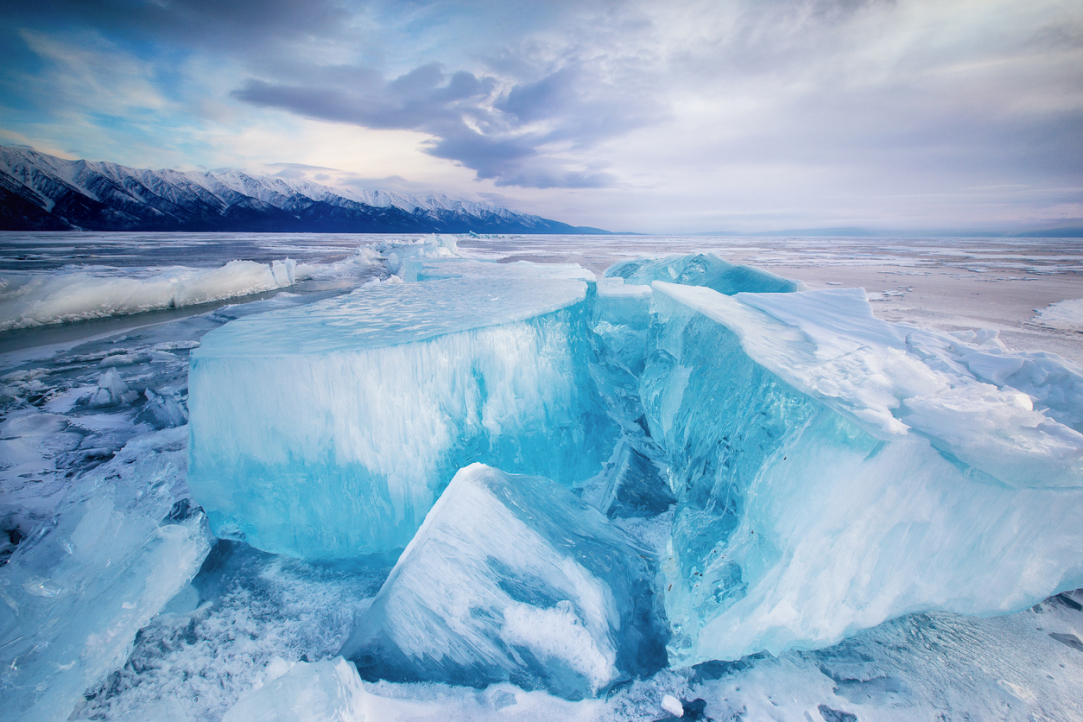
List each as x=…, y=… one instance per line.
x=513, y=578
x=834, y=471
x=74, y=595
x=329, y=431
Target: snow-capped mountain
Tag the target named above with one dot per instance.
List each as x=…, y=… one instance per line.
x=43, y=192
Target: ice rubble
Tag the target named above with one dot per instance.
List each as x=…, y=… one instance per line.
x=328, y=431
x=75, y=594
x=512, y=578
x=835, y=471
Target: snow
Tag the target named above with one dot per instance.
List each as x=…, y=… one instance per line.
x=76, y=594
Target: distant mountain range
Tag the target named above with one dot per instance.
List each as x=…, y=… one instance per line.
x=40, y=192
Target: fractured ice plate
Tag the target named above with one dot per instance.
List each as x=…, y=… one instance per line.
x=328, y=432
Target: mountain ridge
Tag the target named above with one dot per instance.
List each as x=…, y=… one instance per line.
x=41, y=192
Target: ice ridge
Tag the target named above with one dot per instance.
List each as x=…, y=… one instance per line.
x=834, y=471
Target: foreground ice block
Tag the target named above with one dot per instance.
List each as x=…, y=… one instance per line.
x=834, y=471
x=73, y=596
x=329, y=431
x=327, y=691
x=512, y=578
x=702, y=269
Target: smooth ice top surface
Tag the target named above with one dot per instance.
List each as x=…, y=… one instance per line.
x=393, y=314
x=432, y=268
x=891, y=379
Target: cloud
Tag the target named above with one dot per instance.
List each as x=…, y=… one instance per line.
x=471, y=122
x=676, y=113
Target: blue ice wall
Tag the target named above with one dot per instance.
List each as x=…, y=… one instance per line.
x=702, y=269
x=834, y=471
x=328, y=432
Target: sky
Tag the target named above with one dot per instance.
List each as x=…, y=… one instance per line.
x=678, y=117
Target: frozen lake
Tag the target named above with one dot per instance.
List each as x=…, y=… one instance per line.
x=97, y=409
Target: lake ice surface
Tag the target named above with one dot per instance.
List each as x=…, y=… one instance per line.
x=80, y=400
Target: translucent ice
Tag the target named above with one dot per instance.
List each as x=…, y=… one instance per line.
x=512, y=578
x=328, y=691
x=702, y=269
x=329, y=431
x=834, y=471
x=75, y=594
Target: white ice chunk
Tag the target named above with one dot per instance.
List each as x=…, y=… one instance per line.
x=327, y=691
x=512, y=578
x=1065, y=315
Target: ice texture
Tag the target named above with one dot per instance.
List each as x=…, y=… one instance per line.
x=329, y=431
x=327, y=691
x=513, y=578
x=1065, y=315
x=702, y=269
x=834, y=471
x=76, y=295
x=75, y=594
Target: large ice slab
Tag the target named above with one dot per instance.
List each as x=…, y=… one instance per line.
x=512, y=578
x=329, y=431
x=834, y=471
x=702, y=269
x=73, y=597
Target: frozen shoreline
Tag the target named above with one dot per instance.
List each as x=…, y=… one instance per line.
x=250, y=618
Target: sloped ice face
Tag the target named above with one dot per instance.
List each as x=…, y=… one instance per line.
x=834, y=471
x=702, y=269
x=512, y=578
x=328, y=432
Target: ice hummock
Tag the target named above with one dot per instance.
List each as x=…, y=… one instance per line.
x=702, y=269
x=75, y=594
x=77, y=294
x=329, y=431
x=835, y=471
x=513, y=578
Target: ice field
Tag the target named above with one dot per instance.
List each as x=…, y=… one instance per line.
x=537, y=478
